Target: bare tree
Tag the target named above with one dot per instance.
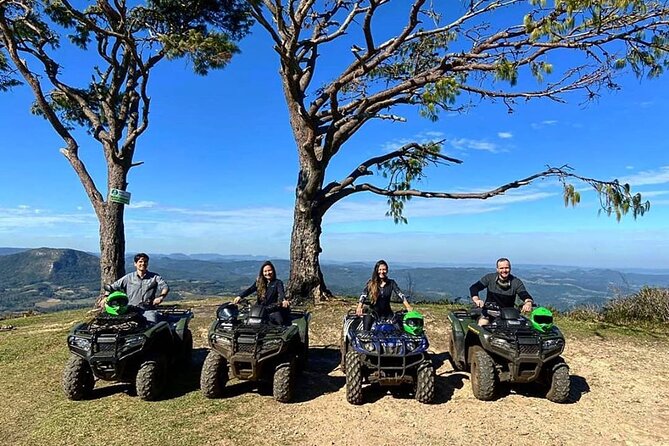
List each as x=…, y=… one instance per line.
x=437, y=60
x=123, y=44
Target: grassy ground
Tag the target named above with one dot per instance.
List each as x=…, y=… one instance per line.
x=37, y=413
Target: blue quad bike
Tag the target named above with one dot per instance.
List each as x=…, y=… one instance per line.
x=244, y=343
x=120, y=345
x=512, y=348
x=393, y=353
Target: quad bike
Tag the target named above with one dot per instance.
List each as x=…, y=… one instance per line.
x=512, y=348
x=245, y=344
x=120, y=345
x=393, y=353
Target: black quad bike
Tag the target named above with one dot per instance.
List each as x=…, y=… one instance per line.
x=386, y=355
x=512, y=348
x=245, y=344
x=127, y=348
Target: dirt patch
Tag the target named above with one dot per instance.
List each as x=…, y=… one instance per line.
x=619, y=396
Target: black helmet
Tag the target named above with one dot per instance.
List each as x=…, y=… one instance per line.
x=227, y=313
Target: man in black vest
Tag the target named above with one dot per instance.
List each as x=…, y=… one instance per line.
x=503, y=288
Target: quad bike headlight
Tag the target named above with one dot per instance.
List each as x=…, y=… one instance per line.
x=133, y=341
x=502, y=344
x=80, y=343
x=223, y=341
x=553, y=344
x=271, y=344
x=369, y=346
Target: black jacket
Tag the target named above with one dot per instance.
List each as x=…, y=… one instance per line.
x=274, y=294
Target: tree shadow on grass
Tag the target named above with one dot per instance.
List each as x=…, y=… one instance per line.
x=184, y=379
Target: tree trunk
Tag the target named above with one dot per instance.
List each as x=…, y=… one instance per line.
x=306, y=280
x=112, y=243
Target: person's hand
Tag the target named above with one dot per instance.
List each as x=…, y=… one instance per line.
x=101, y=301
x=158, y=300
x=527, y=306
x=285, y=303
x=478, y=302
x=236, y=300
x=358, y=311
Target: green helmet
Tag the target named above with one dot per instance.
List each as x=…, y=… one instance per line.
x=413, y=323
x=116, y=303
x=541, y=319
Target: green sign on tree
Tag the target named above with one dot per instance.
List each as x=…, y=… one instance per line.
x=119, y=196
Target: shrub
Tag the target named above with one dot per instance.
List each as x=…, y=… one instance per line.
x=586, y=313
x=648, y=305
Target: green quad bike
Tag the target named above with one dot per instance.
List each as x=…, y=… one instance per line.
x=120, y=345
x=512, y=348
x=245, y=344
x=392, y=353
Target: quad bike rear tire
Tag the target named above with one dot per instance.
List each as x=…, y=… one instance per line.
x=214, y=375
x=303, y=357
x=451, y=352
x=559, y=385
x=483, y=376
x=354, y=378
x=425, y=383
x=187, y=348
x=283, y=382
x=78, y=379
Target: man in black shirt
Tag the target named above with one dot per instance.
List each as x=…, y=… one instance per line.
x=502, y=289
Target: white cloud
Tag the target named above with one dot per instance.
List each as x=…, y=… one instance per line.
x=646, y=177
x=473, y=144
x=545, y=123
x=142, y=205
x=505, y=135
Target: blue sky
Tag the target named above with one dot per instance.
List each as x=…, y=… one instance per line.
x=220, y=168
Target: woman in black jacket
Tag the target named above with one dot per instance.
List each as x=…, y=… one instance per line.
x=377, y=292
x=270, y=294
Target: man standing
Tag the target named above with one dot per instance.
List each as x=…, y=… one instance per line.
x=503, y=288
x=141, y=286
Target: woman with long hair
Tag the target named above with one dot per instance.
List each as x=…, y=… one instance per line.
x=270, y=293
x=377, y=293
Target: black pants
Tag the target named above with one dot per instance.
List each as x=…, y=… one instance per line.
x=279, y=317
x=368, y=320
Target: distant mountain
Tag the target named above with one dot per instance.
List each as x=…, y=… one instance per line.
x=7, y=251
x=62, y=278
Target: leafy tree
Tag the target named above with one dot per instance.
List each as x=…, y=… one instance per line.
x=435, y=58
x=124, y=42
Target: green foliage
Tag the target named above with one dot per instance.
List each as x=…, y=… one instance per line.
x=404, y=171
x=507, y=71
x=7, y=78
x=444, y=91
x=129, y=41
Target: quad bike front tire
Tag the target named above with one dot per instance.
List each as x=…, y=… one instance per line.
x=214, y=375
x=78, y=379
x=425, y=383
x=283, y=382
x=353, y=378
x=150, y=380
x=483, y=376
x=343, y=350
x=559, y=385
